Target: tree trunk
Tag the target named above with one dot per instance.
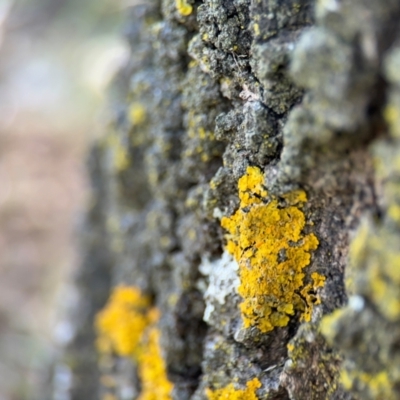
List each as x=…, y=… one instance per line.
x=243, y=241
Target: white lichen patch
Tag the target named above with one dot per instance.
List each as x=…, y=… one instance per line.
x=223, y=281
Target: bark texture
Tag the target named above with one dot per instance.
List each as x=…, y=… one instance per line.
x=243, y=241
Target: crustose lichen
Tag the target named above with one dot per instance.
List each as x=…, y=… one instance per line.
x=127, y=327
x=266, y=238
x=183, y=7
x=229, y=392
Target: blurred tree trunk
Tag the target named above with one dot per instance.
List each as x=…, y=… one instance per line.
x=248, y=190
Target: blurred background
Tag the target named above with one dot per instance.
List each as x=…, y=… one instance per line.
x=56, y=59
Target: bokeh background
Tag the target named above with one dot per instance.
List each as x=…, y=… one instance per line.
x=56, y=60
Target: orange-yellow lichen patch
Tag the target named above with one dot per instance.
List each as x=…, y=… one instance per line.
x=268, y=242
x=183, y=7
x=308, y=294
x=319, y=280
x=152, y=370
x=127, y=326
x=230, y=393
x=121, y=323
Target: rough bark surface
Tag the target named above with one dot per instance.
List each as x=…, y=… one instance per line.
x=247, y=199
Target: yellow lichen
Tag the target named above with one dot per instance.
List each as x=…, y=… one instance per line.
x=183, y=7
x=319, y=280
x=378, y=385
x=121, y=323
x=392, y=116
x=120, y=154
x=155, y=384
x=267, y=241
x=353, y=377
x=394, y=212
x=137, y=114
x=310, y=298
x=330, y=324
x=230, y=393
x=290, y=347
x=375, y=268
x=127, y=326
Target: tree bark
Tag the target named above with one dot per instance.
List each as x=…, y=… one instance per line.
x=247, y=194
